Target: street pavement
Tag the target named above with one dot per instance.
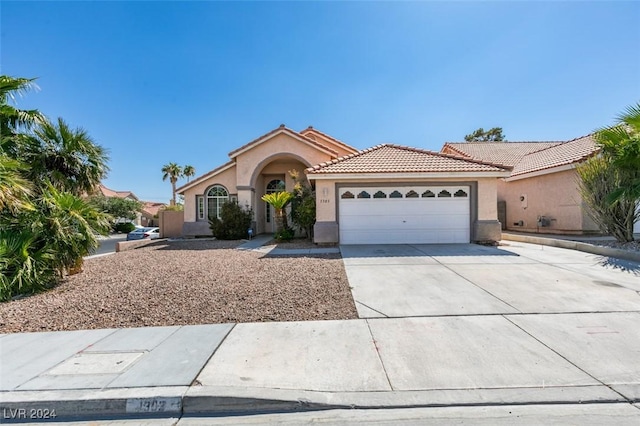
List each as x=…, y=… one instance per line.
x=520, y=333
x=108, y=244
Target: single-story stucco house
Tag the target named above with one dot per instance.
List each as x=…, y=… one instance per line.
x=541, y=194
x=384, y=194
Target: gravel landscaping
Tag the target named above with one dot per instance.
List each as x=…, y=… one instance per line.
x=630, y=246
x=187, y=282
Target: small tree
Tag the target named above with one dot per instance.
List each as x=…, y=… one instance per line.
x=492, y=135
x=279, y=201
x=303, y=204
x=598, y=178
x=233, y=224
x=118, y=208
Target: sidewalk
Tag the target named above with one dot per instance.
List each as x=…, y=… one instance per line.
x=228, y=369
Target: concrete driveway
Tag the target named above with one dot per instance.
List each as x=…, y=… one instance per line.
x=519, y=316
x=391, y=281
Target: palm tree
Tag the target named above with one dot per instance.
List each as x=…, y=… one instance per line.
x=14, y=189
x=173, y=172
x=11, y=118
x=68, y=158
x=188, y=171
x=621, y=144
x=279, y=200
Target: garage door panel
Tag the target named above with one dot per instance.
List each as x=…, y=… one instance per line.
x=418, y=220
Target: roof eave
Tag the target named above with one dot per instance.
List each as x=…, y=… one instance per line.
x=181, y=190
x=278, y=131
x=407, y=175
x=542, y=172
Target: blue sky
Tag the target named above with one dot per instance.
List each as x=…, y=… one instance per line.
x=188, y=82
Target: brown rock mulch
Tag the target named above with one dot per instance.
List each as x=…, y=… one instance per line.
x=187, y=282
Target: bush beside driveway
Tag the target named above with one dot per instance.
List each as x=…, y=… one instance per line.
x=187, y=282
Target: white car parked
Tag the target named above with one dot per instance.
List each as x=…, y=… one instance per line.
x=144, y=233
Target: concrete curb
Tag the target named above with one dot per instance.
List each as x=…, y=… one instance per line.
x=574, y=245
x=130, y=245
x=209, y=400
x=178, y=401
x=21, y=406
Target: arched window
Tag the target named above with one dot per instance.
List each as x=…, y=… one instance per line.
x=276, y=185
x=216, y=196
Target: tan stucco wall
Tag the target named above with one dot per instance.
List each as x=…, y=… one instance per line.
x=487, y=196
x=227, y=179
x=250, y=162
x=170, y=223
x=554, y=195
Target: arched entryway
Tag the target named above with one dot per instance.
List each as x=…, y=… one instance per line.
x=273, y=176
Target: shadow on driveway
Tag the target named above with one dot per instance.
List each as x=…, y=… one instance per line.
x=420, y=250
x=620, y=264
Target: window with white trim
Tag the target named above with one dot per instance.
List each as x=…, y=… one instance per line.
x=216, y=196
x=200, y=204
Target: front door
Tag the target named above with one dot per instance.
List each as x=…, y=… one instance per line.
x=274, y=185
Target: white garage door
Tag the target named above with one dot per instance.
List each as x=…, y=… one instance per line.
x=404, y=215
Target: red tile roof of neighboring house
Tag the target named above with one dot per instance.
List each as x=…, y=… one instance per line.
x=570, y=152
x=527, y=157
x=507, y=153
x=151, y=207
x=119, y=194
x=283, y=129
x=390, y=158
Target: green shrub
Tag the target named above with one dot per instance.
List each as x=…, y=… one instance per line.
x=233, y=224
x=303, y=204
x=285, y=235
x=124, y=227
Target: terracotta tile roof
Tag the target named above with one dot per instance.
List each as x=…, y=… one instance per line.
x=570, y=152
x=389, y=158
x=284, y=129
x=527, y=157
x=203, y=177
x=151, y=207
x=118, y=194
x=310, y=129
x=507, y=153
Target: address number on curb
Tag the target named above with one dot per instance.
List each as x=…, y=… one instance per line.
x=153, y=405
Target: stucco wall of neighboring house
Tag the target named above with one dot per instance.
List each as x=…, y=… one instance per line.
x=554, y=196
x=226, y=178
x=485, y=227
x=250, y=163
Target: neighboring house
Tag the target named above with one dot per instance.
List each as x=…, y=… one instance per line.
x=117, y=194
x=384, y=194
x=149, y=213
x=541, y=194
x=148, y=216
